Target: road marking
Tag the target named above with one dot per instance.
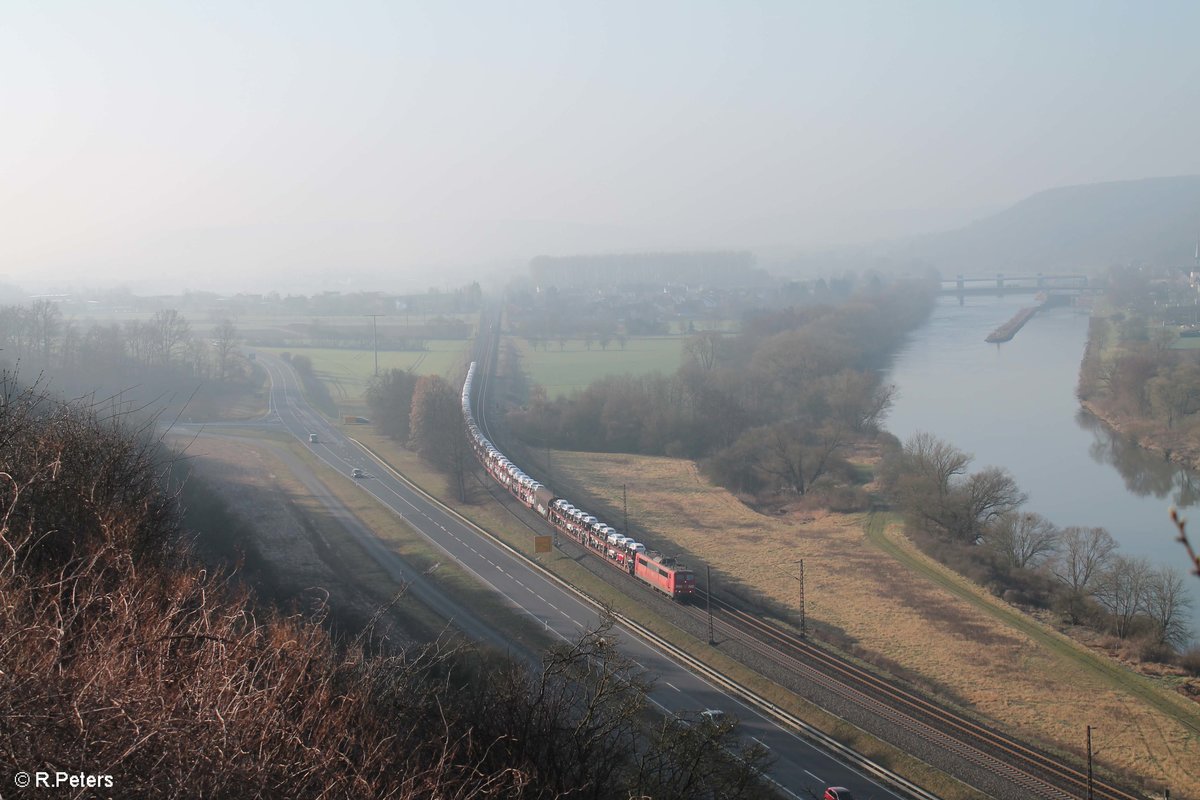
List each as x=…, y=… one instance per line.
x=806, y=772
x=673, y=686
x=764, y=744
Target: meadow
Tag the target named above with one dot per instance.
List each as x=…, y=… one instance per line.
x=347, y=372
x=907, y=614
x=574, y=367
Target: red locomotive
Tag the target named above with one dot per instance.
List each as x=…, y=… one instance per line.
x=663, y=573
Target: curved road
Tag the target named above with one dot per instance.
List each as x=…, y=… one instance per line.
x=799, y=769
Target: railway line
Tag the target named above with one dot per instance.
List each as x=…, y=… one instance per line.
x=1037, y=773
x=1030, y=772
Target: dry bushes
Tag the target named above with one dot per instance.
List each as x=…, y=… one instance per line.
x=117, y=658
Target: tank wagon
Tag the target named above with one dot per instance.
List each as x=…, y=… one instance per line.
x=663, y=573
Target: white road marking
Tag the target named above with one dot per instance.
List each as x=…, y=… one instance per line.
x=673, y=686
x=806, y=772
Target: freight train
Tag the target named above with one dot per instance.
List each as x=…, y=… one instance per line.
x=663, y=573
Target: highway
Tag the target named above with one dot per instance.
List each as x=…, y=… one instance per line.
x=799, y=769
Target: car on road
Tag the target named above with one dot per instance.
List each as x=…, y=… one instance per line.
x=312, y=438
x=713, y=715
x=838, y=793
x=357, y=473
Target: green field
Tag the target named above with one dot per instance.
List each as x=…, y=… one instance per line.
x=574, y=367
x=347, y=372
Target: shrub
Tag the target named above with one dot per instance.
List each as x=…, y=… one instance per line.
x=1190, y=660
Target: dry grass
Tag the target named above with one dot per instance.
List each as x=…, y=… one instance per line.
x=887, y=610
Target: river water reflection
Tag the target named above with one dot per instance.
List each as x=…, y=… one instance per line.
x=1013, y=405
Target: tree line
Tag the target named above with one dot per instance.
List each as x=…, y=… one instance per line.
x=974, y=520
x=164, y=346
x=423, y=413
x=771, y=408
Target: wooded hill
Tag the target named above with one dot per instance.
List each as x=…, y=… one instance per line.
x=1089, y=227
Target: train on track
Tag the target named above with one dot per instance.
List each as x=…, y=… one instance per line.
x=663, y=573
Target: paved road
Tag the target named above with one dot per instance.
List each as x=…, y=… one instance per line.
x=799, y=769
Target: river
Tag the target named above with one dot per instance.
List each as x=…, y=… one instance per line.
x=1013, y=405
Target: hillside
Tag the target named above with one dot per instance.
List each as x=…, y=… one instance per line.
x=1089, y=227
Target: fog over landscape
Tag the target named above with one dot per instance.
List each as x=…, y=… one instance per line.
x=531, y=400
x=308, y=146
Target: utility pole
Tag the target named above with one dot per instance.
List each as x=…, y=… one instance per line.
x=375, y=338
x=1089, y=754
x=803, y=619
x=708, y=594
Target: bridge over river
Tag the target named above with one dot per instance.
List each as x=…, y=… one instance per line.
x=1015, y=284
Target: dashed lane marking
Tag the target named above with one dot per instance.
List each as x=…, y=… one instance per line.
x=806, y=772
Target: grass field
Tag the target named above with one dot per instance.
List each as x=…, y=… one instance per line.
x=951, y=638
x=347, y=372
x=574, y=367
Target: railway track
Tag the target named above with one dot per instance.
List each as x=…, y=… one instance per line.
x=1034, y=773
x=1038, y=773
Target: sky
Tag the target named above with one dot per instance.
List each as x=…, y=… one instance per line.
x=244, y=146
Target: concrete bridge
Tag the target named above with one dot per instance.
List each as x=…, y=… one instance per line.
x=1014, y=284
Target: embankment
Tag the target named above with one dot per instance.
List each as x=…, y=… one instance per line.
x=1009, y=329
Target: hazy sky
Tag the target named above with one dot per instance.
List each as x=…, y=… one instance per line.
x=235, y=143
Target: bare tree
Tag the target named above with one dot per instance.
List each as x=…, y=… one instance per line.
x=702, y=348
x=1023, y=539
x=171, y=332
x=1083, y=555
x=972, y=505
x=932, y=490
x=858, y=400
x=225, y=341
x=1167, y=605
x=45, y=320
x=930, y=457
x=1122, y=591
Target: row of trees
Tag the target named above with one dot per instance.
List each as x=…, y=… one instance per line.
x=423, y=413
x=119, y=650
x=1076, y=570
x=769, y=409
x=37, y=337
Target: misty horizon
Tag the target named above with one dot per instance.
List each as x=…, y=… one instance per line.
x=233, y=148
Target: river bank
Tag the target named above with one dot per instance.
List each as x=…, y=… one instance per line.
x=1148, y=436
x=1018, y=407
